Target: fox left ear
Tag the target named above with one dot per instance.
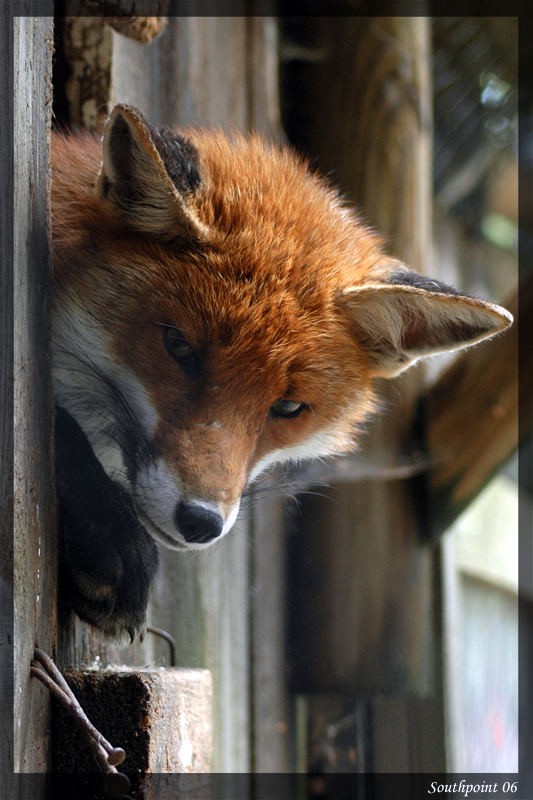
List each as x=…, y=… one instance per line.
x=149, y=176
x=408, y=317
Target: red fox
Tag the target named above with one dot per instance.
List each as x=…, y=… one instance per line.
x=217, y=309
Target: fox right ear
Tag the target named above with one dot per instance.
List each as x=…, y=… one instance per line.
x=408, y=317
x=149, y=176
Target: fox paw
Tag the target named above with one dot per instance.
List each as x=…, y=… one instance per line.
x=108, y=583
x=107, y=560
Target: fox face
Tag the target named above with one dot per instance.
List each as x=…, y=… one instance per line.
x=219, y=309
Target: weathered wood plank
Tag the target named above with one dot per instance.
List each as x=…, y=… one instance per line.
x=264, y=112
x=272, y=732
x=182, y=78
x=361, y=608
x=471, y=416
x=196, y=73
x=34, y=500
x=375, y=135
x=6, y=407
x=161, y=718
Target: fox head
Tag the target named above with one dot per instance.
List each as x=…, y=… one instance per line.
x=219, y=309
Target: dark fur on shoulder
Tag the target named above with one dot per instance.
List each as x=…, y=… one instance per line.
x=108, y=560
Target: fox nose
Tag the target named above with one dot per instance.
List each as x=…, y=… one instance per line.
x=197, y=523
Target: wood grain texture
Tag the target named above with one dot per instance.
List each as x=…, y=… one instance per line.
x=271, y=721
x=196, y=73
x=161, y=718
x=264, y=99
x=6, y=408
x=364, y=585
x=362, y=578
x=34, y=500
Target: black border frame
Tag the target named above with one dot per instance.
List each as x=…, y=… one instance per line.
x=287, y=787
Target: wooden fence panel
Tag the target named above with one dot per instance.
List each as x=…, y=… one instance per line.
x=6, y=410
x=34, y=500
x=222, y=72
x=379, y=145
x=364, y=582
x=195, y=73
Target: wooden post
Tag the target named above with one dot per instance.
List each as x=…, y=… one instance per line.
x=87, y=51
x=196, y=73
x=161, y=718
x=362, y=607
x=6, y=409
x=378, y=144
x=27, y=414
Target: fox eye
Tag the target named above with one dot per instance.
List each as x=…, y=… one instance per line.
x=287, y=408
x=176, y=344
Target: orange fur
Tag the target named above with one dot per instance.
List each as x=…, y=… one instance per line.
x=258, y=297
x=259, y=300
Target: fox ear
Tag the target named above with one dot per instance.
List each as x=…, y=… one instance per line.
x=408, y=317
x=149, y=176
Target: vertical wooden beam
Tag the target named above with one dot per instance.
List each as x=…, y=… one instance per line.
x=271, y=723
x=6, y=406
x=263, y=48
x=161, y=718
x=374, y=133
x=34, y=499
x=363, y=614
x=196, y=72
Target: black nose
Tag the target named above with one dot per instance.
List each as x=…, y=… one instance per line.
x=197, y=523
